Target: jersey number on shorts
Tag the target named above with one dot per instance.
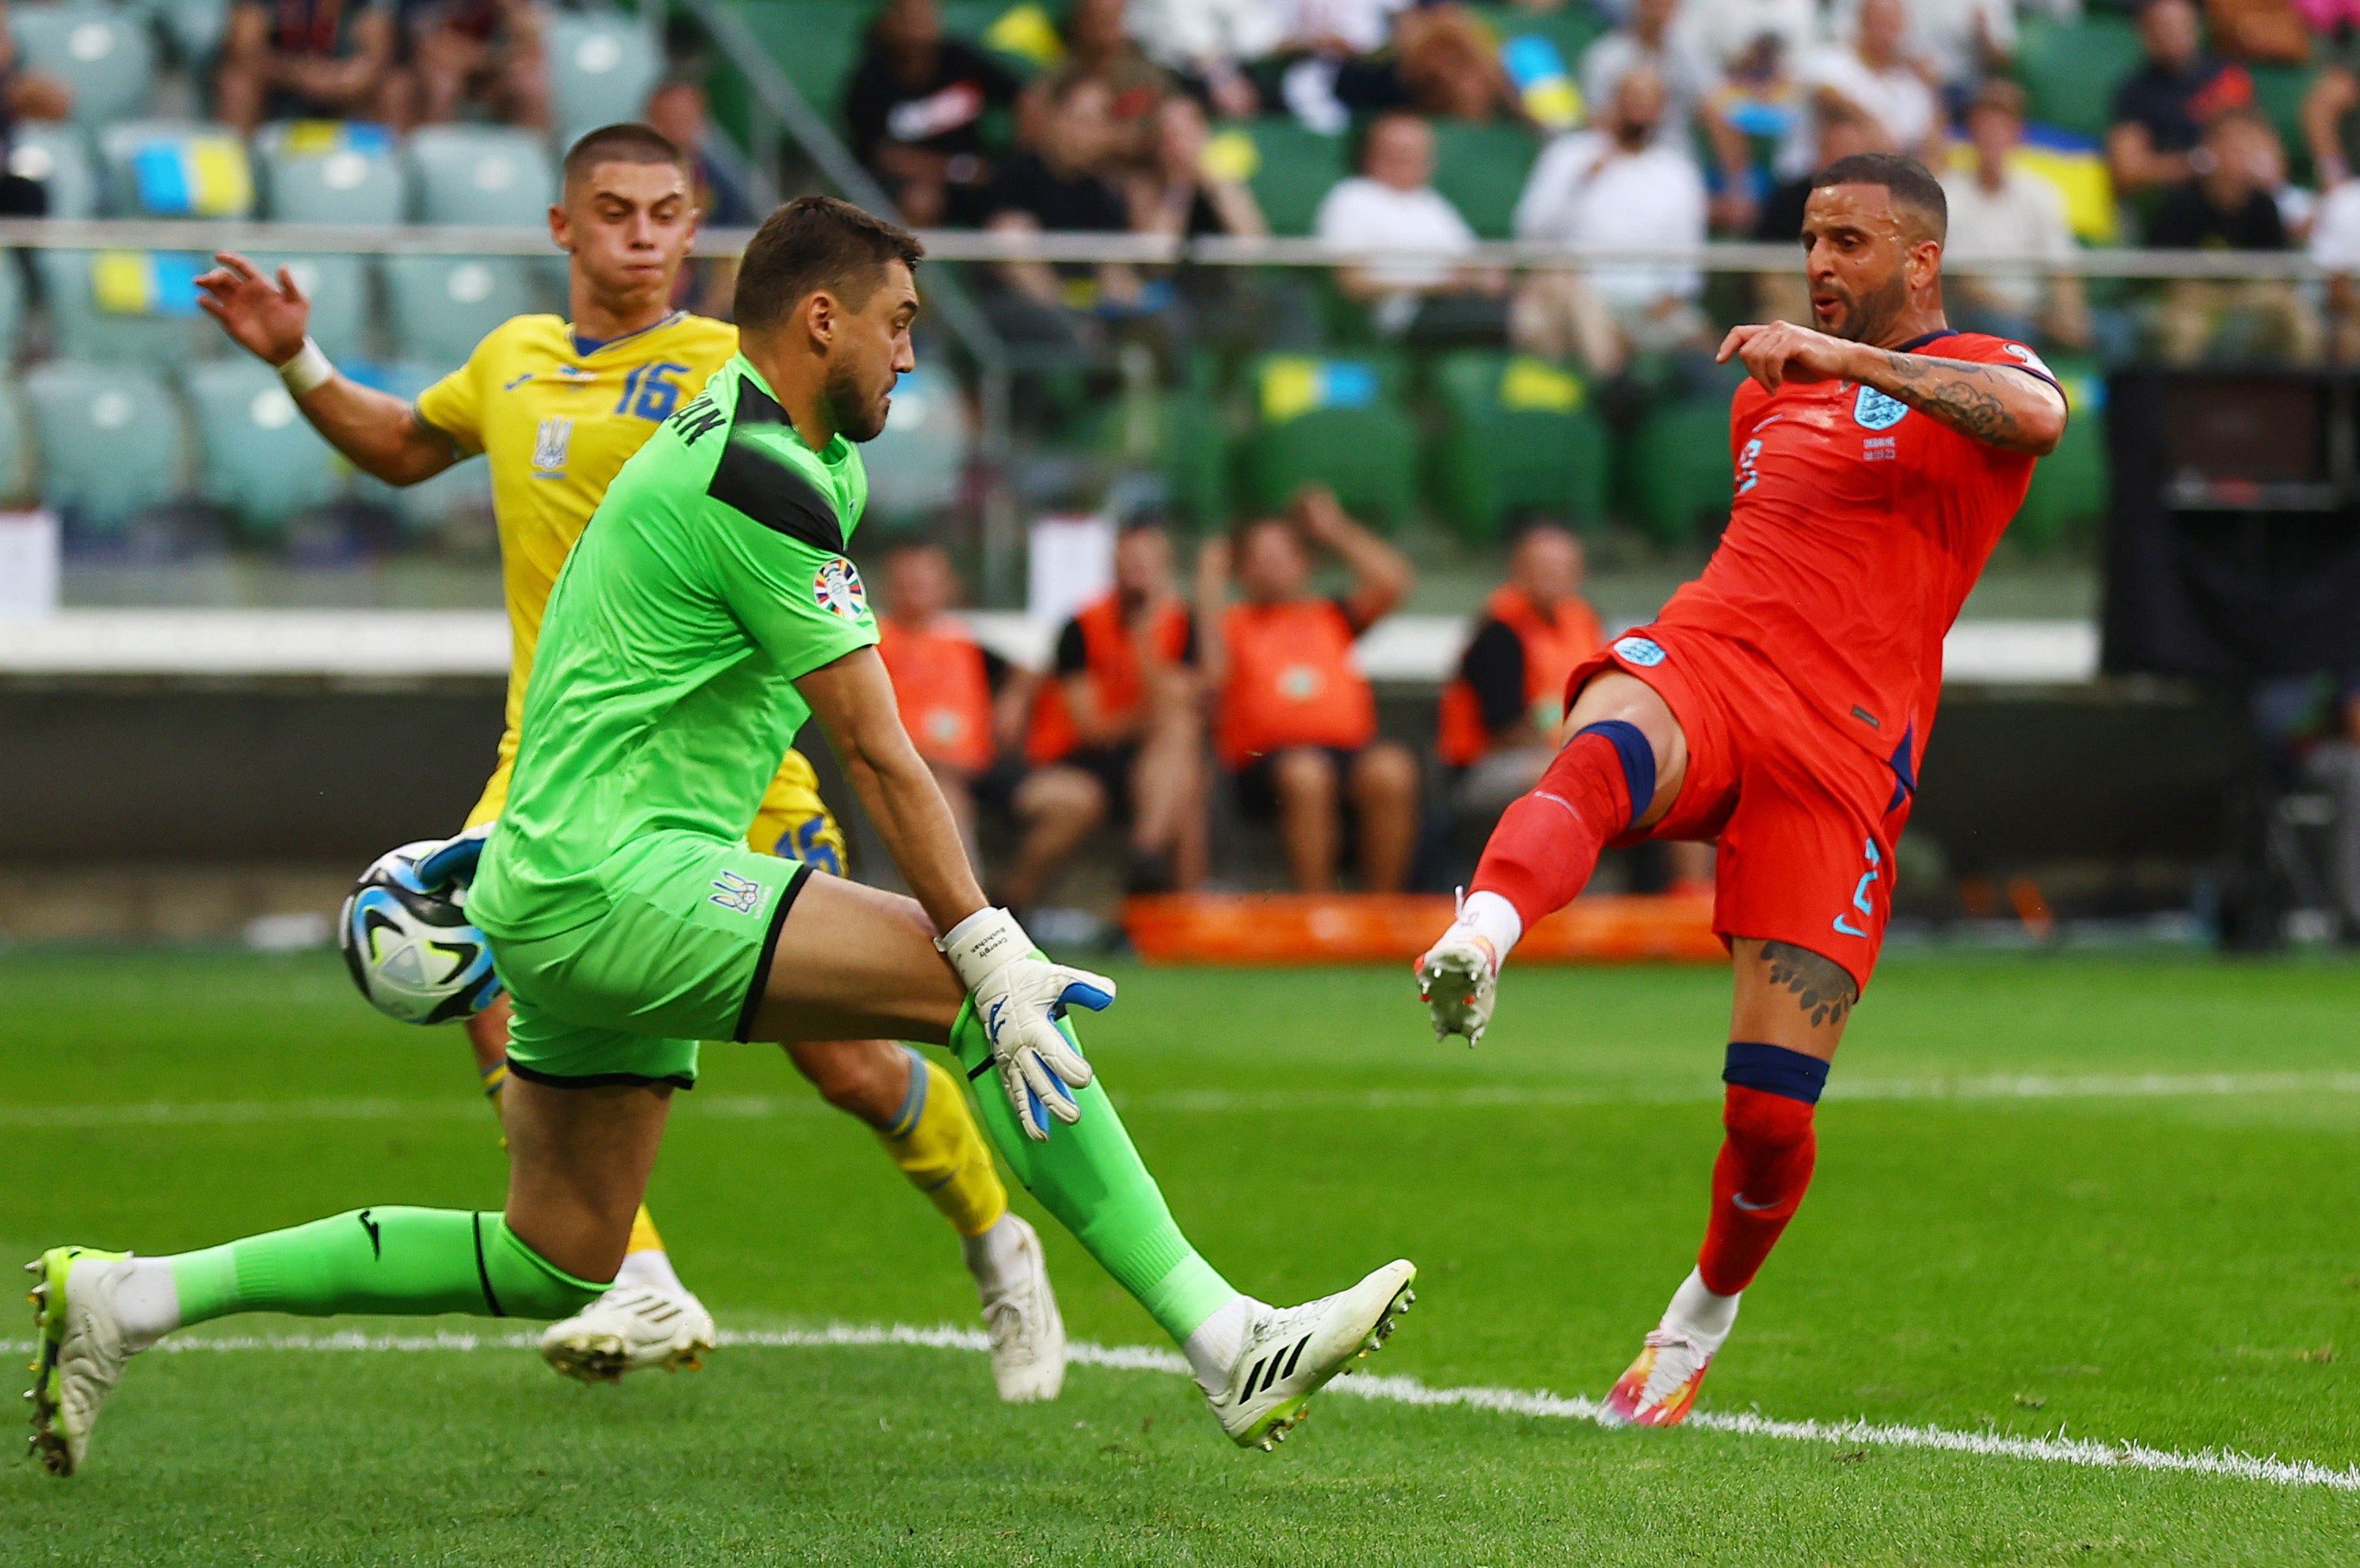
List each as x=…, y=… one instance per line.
x=650, y=392
x=1859, y=894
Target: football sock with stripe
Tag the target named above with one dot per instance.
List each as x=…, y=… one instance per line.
x=1766, y=1159
x=399, y=1262
x=1090, y=1177
x=934, y=1141
x=1547, y=843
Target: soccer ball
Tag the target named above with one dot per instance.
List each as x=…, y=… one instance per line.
x=411, y=951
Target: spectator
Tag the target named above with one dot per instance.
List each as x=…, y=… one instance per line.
x=1782, y=296
x=2335, y=247
x=1121, y=724
x=307, y=60
x=1055, y=184
x=915, y=108
x=1298, y=720
x=1693, y=93
x=2331, y=116
x=1500, y=715
x=2162, y=108
x=1875, y=75
x=1392, y=206
x=955, y=697
x=2232, y=205
x=471, y=52
x=2002, y=214
x=1615, y=187
x=676, y=111
x=26, y=95
x=1178, y=196
x=1730, y=33
x=1209, y=41
x=1961, y=41
x=1097, y=47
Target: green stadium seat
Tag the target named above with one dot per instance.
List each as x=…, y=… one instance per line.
x=127, y=305
x=1678, y=475
x=488, y=175
x=110, y=440
x=1195, y=460
x=258, y=456
x=443, y=305
x=58, y=157
x=1517, y=435
x=2277, y=92
x=2069, y=70
x=103, y=52
x=1293, y=167
x=1333, y=422
x=2070, y=486
x=602, y=66
x=1482, y=169
x=170, y=168
x=328, y=171
x=338, y=287
x=816, y=42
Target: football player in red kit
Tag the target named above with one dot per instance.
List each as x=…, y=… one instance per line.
x=1781, y=702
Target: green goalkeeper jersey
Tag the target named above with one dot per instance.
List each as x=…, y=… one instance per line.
x=710, y=578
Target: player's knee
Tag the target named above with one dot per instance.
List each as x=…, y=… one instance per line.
x=1386, y=774
x=1773, y=1094
x=866, y=1078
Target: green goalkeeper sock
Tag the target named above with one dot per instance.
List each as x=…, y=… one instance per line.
x=402, y=1261
x=1090, y=1177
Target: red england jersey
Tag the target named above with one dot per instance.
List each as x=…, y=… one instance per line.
x=1859, y=526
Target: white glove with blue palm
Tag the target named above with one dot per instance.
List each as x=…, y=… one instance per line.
x=1019, y=998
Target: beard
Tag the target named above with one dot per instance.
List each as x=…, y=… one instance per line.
x=1865, y=320
x=858, y=415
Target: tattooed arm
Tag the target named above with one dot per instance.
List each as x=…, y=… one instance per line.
x=2002, y=405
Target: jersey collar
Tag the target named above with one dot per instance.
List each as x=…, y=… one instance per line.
x=1914, y=345
x=585, y=347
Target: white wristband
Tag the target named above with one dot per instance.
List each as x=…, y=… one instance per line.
x=983, y=943
x=309, y=369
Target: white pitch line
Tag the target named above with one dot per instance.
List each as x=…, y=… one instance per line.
x=1222, y=1102
x=1538, y=1403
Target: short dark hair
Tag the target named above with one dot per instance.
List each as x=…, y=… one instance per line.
x=1904, y=177
x=625, y=143
x=815, y=243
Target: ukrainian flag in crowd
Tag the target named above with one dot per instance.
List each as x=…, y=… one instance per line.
x=2076, y=166
x=319, y=138
x=1543, y=83
x=146, y=282
x=1295, y=385
x=200, y=175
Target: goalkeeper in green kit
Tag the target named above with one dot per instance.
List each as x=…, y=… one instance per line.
x=707, y=611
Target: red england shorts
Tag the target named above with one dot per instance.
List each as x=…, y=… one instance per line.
x=1806, y=818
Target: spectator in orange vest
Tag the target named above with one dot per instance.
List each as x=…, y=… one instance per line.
x=1120, y=722
x=1500, y=716
x=1298, y=720
x=956, y=700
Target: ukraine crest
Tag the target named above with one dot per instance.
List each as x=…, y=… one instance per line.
x=1876, y=412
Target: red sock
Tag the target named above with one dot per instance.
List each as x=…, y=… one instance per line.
x=1547, y=843
x=1766, y=1160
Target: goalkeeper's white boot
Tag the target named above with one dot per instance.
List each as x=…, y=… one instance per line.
x=1020, y=1310
x=630, y=1328
x=81, y=1344
x=1290, y=1353
x=1459, y=980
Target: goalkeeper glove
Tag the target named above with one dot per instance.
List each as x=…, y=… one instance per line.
x=452, y=865
x=1019, y=998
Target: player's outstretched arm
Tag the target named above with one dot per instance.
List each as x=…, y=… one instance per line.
x=2003, y=406
x=381, y=433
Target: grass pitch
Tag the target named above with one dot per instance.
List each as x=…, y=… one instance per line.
x=2110, y=1197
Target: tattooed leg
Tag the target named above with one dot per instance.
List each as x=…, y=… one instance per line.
x=1791, y=997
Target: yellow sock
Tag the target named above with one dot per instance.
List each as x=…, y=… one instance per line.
x=643, y=1232
x=936, y=1142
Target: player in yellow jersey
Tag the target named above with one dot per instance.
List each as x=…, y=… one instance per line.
x=556, y=408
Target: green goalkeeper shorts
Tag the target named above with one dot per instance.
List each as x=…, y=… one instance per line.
x=673, y=953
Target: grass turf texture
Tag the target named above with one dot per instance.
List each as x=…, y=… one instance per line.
x=2177, y=1271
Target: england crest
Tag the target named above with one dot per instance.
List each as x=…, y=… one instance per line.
x=1876, y=412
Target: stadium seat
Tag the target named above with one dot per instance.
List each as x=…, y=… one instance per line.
x=1330, y=422
x=463, y=489
x=116, y=305
x=110, y=439
x=2071, y=69
x=919, y=465
x=58, y=157
x=1517, y=435
x=16, y=473
x=487, y=175
x=1290, y=169
x=331, y=171
x=1482, y=169
x=816, y=42
x=194, y=27
x=1677, y=476
x=602, y=66
x=1196, y=460
x=258, y=456
x=338, y=287
x=2277, y=92
x=2070, y=486
x=443, y=305
x=168, y=169
x=101, y=52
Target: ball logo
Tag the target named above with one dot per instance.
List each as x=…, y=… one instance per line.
x=1640, y=652
x=837, y=588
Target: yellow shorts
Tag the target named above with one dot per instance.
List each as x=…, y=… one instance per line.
x=792, y=822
